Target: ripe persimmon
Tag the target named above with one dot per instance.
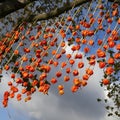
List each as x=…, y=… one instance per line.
x=80, y=65
x=84, y=41
x=118, y=46
x=83, y=82
x=74, y=88
x=76, y=81
x=5, y=103
x=58, y=56
x=12, y=95
x=63, y=64
x=92, y=61
x=89, y=71
x=68, y=70
x=75, y=72
x=61, y=92
x=13, y=75
x=86, y=49
x=16, y=52
x=53, y=80
x=71, y=61
x=7, y=67
x=100, y=53
x=25, y=74
x=60, y=87
x=68, y=56
x=109, y=70
x=18, y=96
x=55, y=63
x=106, y=81
x=69, y=18
x=24, y=59
x=102, y=64
x=85, y=77
x=100, y=42
x=110, y=61
x=66, y=78
x=111, y=44
x=91, y=42
x=62, y=44
x=77, y=40
x=78, y=56
x=10, y=83
x=117, y=55
x=19, y=80
x=77, y=27
x=33, y=89
x=58, y=74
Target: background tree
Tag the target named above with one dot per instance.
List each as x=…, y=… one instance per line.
x=32, y=30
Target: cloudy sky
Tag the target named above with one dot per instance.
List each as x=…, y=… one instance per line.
x=82, y=105
x=79, y=106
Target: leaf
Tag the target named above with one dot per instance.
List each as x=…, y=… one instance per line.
x=105, y=100
x=109, y=95
x=14, y=58
x=99, y=100
x=1, y=76
x=107, y=107
x=105, y=75
x=15, y=69
x=108, y=87
x=28, y=86
x=35, y=77
x=112, y=108
x=111, y=53
x=110, y=114
x=47, y=82
x=88, y=58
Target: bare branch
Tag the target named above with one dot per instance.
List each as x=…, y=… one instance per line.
x=58, y=11
x=9, y=6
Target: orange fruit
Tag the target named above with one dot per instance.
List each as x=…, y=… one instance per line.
x=60, y=87
x=106, y=81
x=61, y=92
x=66, y=78
x=102, y=64
x=75, y=72
x=53, y=80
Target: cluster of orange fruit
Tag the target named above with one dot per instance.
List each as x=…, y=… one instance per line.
x=32, y=49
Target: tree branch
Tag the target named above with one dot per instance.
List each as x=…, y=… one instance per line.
x=9, y=6
x=58, y=11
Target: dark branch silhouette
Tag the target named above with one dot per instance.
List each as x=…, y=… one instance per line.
x=9, y=6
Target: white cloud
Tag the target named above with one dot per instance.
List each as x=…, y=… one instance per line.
x=82, y=105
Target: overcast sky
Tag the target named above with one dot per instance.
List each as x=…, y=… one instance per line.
x=82, y=105
x=79, y=106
